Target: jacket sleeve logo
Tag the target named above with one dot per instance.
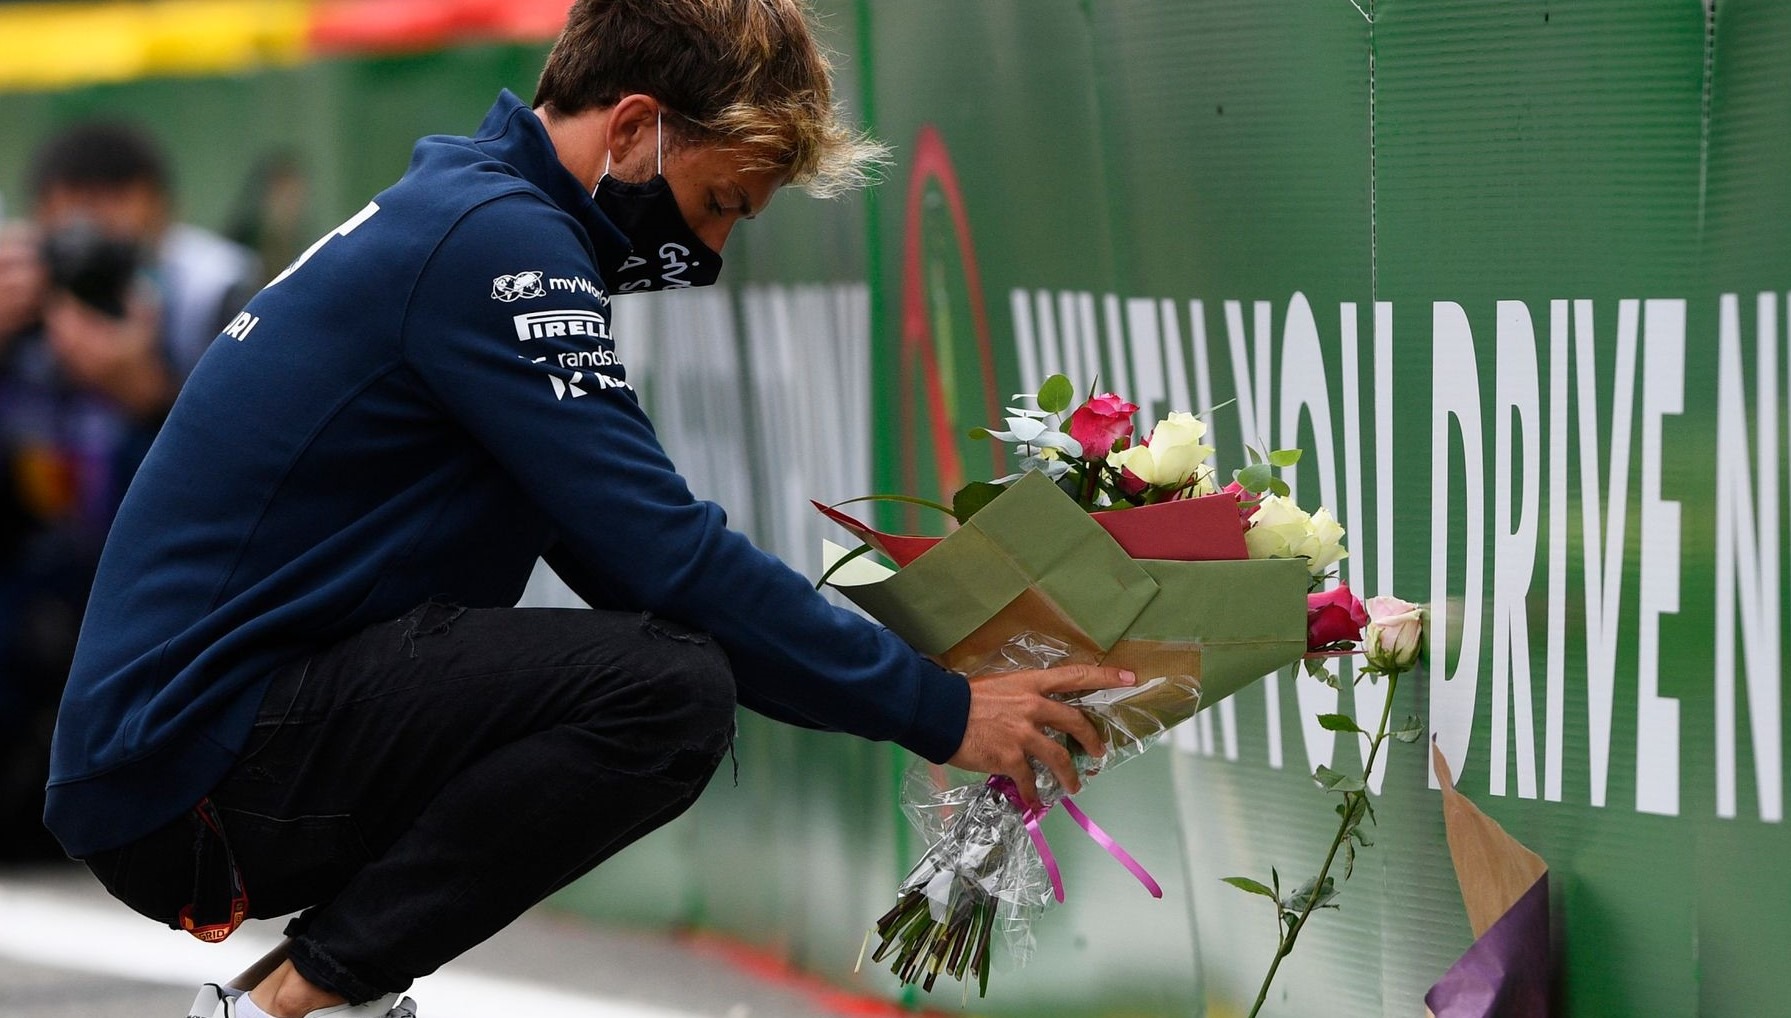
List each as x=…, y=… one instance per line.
x=518, y=287
x=560, y=324
x=573, y=373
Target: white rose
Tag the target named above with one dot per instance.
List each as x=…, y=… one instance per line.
x=1170, y=456
x=1281, y=529
x=1395, y=634
x=1277, y=528
x=1323, y=547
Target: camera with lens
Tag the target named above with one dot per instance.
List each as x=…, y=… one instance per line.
x=93, y=267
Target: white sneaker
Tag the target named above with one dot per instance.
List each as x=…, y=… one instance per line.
x=216, y=1001
x=392, y=1005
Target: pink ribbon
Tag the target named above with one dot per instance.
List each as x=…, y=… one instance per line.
x=1031, y=816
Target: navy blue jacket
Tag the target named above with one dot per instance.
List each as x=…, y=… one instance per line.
x=426, y=402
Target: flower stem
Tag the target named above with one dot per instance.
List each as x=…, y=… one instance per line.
x=1350, y=800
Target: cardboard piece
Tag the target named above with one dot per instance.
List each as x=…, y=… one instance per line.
x=1506, y=973
x=1033, y=560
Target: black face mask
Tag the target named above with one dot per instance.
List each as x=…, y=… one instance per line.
x=667, y=253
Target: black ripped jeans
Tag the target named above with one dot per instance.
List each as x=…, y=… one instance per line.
x=417, y=787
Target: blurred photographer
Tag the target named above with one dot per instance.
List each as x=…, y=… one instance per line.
x=105, y=305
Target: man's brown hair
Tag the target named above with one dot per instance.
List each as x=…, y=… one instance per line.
x=741, y=72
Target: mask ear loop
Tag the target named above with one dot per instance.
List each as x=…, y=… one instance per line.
x=595, y=187
x=658, y=150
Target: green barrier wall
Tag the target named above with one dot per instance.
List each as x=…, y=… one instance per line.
x=1514, y=274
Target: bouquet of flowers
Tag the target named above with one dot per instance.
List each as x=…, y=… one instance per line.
x=1099, y=550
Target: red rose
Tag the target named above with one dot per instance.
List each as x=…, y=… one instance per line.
x=1100, y=422
x=1130, y=483
x=1334, y=616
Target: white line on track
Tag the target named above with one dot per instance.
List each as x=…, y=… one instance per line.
x=44, y=929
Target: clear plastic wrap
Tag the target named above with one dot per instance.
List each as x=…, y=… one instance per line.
x=983, y=871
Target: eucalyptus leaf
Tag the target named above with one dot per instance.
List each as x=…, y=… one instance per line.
x=1055, y=395
x=1059, y=440
x=1284, y=458
x=1252, y=886
x=1279, y=487
x=1339, y=723
x=977, y=433
x=1255, y=477
x=1409, y=730
x=1052, y=468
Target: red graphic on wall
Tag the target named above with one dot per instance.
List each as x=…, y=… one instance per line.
x=920, y=352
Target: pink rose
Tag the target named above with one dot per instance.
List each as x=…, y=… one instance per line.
x=1101, y=422
x=1334, y=616
x=1246, y=499
x=1395, y=636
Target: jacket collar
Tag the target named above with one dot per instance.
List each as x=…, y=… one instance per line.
x=513, y=134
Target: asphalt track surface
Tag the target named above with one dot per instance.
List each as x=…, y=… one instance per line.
x=69, y=951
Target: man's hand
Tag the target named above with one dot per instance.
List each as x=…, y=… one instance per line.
x=1008, y=715
x=22, y=279
x=120, y=358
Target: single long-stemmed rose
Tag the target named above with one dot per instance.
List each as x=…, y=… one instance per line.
x=1392, y=644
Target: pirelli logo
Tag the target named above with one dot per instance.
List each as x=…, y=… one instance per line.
x=550, y=324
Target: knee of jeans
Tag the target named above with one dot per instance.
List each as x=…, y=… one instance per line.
x=705, y=688
x=694, y=680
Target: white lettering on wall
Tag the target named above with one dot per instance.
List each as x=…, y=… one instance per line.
x=1455, y=394
x=1252, y=378
x=1748, y=525
x=1657, y=717
x=1306, y=392
x=1604, y=558
x=1623, y=408
x=1555, y=711
x=1369, y=697
x=1517, y=410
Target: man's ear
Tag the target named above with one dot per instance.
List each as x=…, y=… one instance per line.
x=633, y=128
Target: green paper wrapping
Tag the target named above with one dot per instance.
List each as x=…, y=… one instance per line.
x=1033, y=561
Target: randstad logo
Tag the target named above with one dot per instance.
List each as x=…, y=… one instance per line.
x=576, y=385
x=518, y=287
x=552, y=324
